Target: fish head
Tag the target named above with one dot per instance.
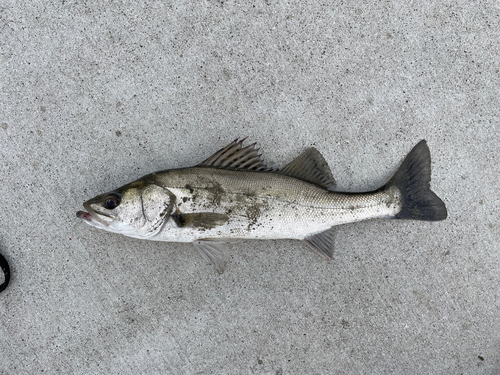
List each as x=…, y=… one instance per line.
x=135, y=210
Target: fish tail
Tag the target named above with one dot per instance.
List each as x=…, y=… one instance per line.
x=412, y=179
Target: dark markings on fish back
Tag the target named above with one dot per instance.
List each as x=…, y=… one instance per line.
x=216, y=191
x=242, y=185
x=218, y=184
x=141, y=183
x=238, y=181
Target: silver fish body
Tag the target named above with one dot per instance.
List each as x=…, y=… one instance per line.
x=262, y=205
x=233, y=195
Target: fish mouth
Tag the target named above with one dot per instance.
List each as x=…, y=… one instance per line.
x=93, y=217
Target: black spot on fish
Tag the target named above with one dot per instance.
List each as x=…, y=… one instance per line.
x=189, y=188
x=178, y=219
x=216, y=192
x=184, y=199
x=253, y=215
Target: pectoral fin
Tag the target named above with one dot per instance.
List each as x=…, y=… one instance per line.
x=211, y=251
x=204, y=220
x=322, y=243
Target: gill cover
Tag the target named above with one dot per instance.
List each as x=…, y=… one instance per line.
x=157, y=205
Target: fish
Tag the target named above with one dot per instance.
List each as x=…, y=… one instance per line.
x=233, y=196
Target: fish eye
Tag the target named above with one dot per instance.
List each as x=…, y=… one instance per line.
x=111, y=201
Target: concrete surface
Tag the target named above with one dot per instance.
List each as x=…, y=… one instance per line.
x=95, y=94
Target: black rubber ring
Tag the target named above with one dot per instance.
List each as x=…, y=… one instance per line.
x=6, y=271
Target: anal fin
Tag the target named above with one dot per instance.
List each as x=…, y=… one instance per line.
x=322, y=243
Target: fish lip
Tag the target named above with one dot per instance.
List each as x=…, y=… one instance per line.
x=92, y=215
x=84, y=215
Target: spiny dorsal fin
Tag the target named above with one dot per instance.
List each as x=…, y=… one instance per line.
x=322, y=242
x=234, y=156
x=312, y=167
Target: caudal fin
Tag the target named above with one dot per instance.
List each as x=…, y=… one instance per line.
x=413, y=181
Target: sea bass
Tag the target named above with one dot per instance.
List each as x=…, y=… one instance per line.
x=233, y=195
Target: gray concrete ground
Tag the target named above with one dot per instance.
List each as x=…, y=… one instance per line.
x=95, y=94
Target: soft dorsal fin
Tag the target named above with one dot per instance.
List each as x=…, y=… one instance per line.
x=323, y=242
x=312, y=167
x=234, y=156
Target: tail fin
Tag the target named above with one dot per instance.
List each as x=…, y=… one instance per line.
x=413, y=181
